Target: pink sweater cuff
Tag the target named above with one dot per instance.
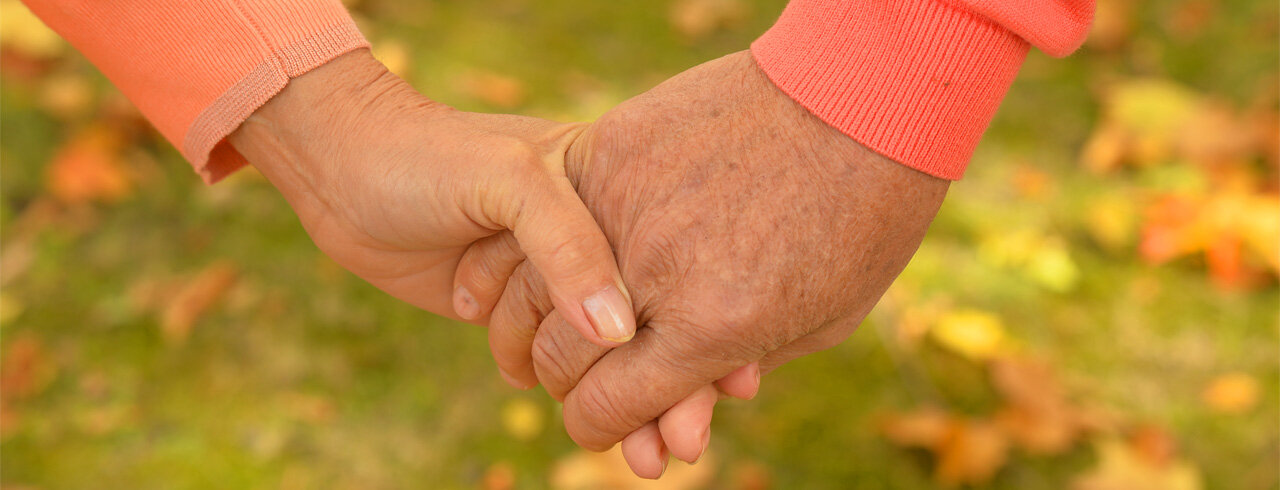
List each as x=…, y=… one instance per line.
x=915, y=80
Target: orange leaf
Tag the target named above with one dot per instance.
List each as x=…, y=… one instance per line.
x=194, y=299
x=971, y=453
x=1231, y=393
x=89, y=168
x=27, y=368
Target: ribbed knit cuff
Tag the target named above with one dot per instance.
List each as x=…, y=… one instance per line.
x=915, y=80
x=204, y=144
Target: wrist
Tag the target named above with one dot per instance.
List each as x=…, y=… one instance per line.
x=314, y=114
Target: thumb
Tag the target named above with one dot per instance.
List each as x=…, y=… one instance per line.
x=565, y=244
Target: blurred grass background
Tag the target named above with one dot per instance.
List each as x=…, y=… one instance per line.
x=1095, y=307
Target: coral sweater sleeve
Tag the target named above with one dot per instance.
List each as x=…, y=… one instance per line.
x=915, y=80
x=198, y=68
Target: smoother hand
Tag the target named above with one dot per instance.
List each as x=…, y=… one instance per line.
x=395, y=187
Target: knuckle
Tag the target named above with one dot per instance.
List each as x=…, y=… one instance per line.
x=593, y=408
x=551, y=366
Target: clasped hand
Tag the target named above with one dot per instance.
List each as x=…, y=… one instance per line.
x=737, y=229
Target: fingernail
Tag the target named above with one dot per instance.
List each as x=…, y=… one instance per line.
x=706, y=439
x=610, y=314
x=511, y=380
x=465, y=304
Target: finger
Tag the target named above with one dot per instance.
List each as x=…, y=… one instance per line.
x=524, y=304
x=561, y=356
x=638, y=381
x=644, y=451
x=482, y=274
x=576, y=262
x=742, y=383
x=686, y=426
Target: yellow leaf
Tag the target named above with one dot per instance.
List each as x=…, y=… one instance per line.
x=583, y=470
x=1053, y=268
x=22, y=31
x=395, y=56
x=10, y=308
x=1112, y=221
x=976, y=335
x=1231, y=393
x=522, y=419
x=1120, y=467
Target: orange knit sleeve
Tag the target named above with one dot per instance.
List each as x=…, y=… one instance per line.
x=915, y=80
x=198, y=68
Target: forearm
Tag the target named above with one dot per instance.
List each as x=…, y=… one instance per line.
x=198, y=68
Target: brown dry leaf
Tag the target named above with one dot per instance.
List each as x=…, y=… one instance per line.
x=973, y=451
x=27, y=368
x=925, y=427
x=968, y=451
x=1037, y=414
x=695, y=19
x=1112, y=24
x=1231, y=393
x=499, y=476
x=750, y=475
x=1122, y=466
x=195, y=299
x=89, y=168
x=491, y=88
x=583, y=470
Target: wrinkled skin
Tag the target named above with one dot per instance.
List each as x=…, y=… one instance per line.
x=746, y=230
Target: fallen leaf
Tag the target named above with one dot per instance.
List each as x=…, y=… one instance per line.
x=25, y=33
x=750, y=475
x=522, y=418
x=1121, y=467
x=10, y=308
x=194, y=300
x=89, y=168
x=395, y=56
x=968, y=451
x=925, y=427
x=68, y=96
x=583, y=470
x=976, y=335
x=696, y=19
x=1231, y=393
x=1112, y=24
x=500, y=476
x=27, y=368
x=972, y=452
x=1037, y=414
x=1112, y=221
x=491, y=88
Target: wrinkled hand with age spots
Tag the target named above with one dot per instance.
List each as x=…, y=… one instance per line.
x=747, y=231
